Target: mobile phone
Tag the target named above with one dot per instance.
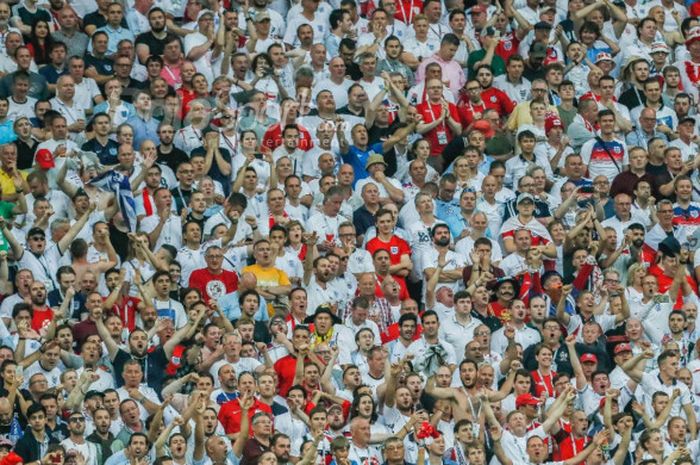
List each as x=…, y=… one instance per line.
x=586, y=189
x=258, y=155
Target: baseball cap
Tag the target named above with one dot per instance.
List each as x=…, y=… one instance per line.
x=205, y=13
x=588, y=358
x=538, y=50
x=552, y=122
x=525, y=196
x=670, y=247
x=45, y=160
x=35, y=231
x=526, y=399
x=659, y=47
x=624, y=347
x=687, y=119
x=484, y=127
x=603, y=56
x=692, y=36
x=262, y=16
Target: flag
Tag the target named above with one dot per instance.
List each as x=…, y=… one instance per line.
x=113, y=181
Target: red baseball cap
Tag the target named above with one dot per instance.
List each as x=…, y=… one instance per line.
x=624, y=347
x=485, y=127
x=588, y=358
x=552, y=122
x=44, y=159
x=526, y=399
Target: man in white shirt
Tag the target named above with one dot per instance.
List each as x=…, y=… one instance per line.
x=163, y=227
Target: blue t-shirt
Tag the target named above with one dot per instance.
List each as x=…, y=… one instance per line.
x=358, y=158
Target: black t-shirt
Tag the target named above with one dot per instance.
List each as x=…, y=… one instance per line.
x=155, y=45
x=214, y=172
x=129, y=92
x=632, y=98
x=533, y=73
x=96, y=19
x=181, y=197
x=346, y=111
x=172, y=159
x=153, y=366
x=377, y=135
x=29, y=18
x=25, y=153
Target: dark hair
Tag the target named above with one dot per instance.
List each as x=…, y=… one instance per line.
x=35, y=408
x=451, y=39
x=336, y=17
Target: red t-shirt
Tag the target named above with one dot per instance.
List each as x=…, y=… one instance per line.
x=406, y=10
x=41, y=317
x=543, y=383
x=469, y=112
x=507, y=46
x=392, y=333
x=212, y=286
x=498, y=100
x=666, y=281
x=441, y=135
x=230, y=414
x=126, y=310
x=570, y=447
x=396, y=248
x=273, y=137
x=285, y=368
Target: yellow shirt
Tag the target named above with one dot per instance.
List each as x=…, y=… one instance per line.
x=521, y=115
x=268, y=277
x=7, y=184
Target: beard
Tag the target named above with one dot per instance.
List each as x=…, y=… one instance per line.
x=444, y=242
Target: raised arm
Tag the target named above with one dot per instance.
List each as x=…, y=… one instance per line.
x=631, y=368
x=439, y=393
x=496, y=433
x=563, y=317
x=598, y=441
x=575, y=362
x=246, y=403
x=15, y=246
x=68, y=238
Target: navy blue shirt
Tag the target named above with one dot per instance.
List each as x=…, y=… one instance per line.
x=107, y=154
x=51, y=74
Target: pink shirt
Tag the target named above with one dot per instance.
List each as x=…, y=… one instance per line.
x=451, y=72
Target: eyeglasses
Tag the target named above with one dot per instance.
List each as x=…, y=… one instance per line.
x=539, y=90
x=473, y=89
x=77, y=420
x=37, y=238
